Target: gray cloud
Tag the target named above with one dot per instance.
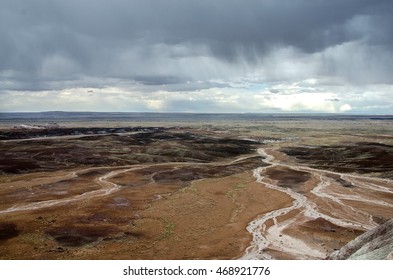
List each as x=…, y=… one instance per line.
x=179, y=45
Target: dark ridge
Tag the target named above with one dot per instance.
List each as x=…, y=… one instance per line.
x=154, y=146
x=363, y=157
x=41, y=131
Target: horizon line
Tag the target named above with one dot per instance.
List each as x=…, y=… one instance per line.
x=203, y=113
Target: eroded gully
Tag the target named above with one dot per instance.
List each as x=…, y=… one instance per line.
x=273, y=237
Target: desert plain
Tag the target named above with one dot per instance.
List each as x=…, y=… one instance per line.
x=286, y=187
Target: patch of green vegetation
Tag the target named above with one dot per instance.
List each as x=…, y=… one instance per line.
x=4, y=179
x=191, y=188
x=168, y=230
x=232, y=192
x=33, y=238
x=239, y=186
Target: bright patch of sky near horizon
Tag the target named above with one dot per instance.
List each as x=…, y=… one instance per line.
x=197, y=56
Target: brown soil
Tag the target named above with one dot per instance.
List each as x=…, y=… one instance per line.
x=288, y=178
x=323, y=234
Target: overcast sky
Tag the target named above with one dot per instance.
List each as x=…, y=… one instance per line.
x=262, y=56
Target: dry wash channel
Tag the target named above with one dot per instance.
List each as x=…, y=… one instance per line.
x=151, y=195
x=329, y=209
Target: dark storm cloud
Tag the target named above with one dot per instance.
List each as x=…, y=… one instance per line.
x=46, y=41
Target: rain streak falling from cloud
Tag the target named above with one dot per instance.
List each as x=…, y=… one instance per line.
x=197, y=56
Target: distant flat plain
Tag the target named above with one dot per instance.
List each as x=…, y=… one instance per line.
x=190, y=186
